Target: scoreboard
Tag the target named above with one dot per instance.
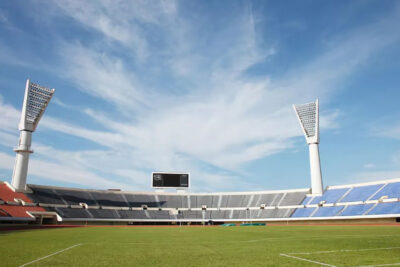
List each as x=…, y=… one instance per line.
x=170, y=180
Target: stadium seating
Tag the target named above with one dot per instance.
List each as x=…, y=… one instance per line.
x=336, y=202
x=169, y=201
x=6, y=194
x=44, y=195
x=138, y=200
x=75, y=197
x=72, y=213
x=386, y=208
x=330, y=196
x=217, y=214
x=19, y=211
x=158, y=214
x=361, y=193
x=4, y=213
x=11, y=208
x=356, y=210
x=303, y=212
x=391, y=190
x=327, y=211
x=235, y=201
x=292, y=198
x=111, y=199
x=266, y=199
x=196, y=214
x=104, y=213
x=307, y=200
x=132, y=214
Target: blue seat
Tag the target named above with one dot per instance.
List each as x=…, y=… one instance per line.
x=361, y=193
x=303, y=212
x=386, y=208
x=330, y=196
x=391, y=190
x=328, y=211
x=306, y=200
x=355, y=210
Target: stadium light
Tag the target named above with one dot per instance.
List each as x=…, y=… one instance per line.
x=36, y=99
x=308, y=116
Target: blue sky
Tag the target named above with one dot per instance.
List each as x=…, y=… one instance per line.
x=204, y=87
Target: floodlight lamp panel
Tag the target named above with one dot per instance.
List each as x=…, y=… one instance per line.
x=308, y=117
x=36, y=99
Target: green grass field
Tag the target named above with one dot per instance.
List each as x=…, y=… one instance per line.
x=203, y=246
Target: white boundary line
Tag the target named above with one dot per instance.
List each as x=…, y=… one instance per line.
x=311, y=238
x=387, y=264
x=302, y=259
x=342, y=250
x=290, y=255
x=55, y=253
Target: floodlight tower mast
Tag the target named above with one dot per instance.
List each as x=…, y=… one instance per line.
x=36, y=100
x=308, y=116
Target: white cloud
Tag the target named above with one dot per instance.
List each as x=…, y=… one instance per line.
x=369, y=165
x=101, y=75
x=61, y=172
x=9, y=118
x=118, y=20
x=223, y=117
x=392, y=130
x=57, y=101
x=107, y=139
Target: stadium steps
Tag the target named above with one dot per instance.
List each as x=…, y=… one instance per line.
x=377, y=192
x=361, y=193
x=55, y=192
x=7, y=194
x=356, y=210
x=341, y=211
x=147, y=214
x=283, y=197
x=345, y=194
x=391, y=190
x=315, y=211
x=250, y=200
x=19, y=211
x=385, y=208
x=367, y=211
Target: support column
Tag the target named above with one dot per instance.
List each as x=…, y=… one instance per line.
x=315, y=168
x=21, y=162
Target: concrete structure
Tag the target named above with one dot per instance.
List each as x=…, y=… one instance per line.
x=372, y=202
x=308, y=116
x=36, y=100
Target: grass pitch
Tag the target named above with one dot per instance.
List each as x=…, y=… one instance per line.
x=203, y=246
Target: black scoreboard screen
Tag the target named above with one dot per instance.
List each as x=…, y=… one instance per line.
x=173, y=180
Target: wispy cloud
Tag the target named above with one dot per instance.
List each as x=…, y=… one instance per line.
x=209, y=111
x=119, y=20
x=369, y=165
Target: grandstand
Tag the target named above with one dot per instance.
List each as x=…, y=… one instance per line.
x=21, y=202
x=367, y=201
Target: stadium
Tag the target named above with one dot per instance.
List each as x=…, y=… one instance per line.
x=370, y=202
x=25, y=206
x=174, y=133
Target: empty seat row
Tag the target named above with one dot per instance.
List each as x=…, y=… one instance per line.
x=349, y=210
x=356, y=193
x=117, y=199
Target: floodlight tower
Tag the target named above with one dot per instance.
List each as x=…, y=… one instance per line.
x=308, y=115
x=36, y=100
